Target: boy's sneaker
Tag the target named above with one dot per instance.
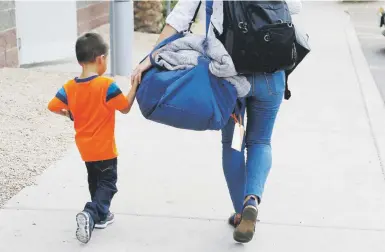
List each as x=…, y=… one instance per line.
x=104, y=223
x=244, y=232
x=85, y=227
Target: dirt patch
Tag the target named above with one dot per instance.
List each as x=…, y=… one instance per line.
x=31, y=138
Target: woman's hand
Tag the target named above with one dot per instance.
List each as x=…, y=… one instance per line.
x=136, y=76
x=167, y=32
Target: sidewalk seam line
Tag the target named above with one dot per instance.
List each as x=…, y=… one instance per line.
x=207, y=219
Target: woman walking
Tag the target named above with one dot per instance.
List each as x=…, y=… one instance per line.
x=245, y=180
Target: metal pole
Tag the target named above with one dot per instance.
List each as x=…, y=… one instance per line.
x=168, y=4
x=121, y=37
x=112, y=32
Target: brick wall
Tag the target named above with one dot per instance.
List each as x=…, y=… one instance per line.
x=92, y=14
x=8, y=39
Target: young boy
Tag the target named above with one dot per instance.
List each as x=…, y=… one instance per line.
x=91, y=100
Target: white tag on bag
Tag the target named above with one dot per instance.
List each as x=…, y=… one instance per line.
x=238, y=135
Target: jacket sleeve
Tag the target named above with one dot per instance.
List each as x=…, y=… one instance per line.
x=182, y=14
x=295, y=6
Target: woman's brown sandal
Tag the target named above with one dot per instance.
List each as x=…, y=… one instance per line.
x=235, y=219
x=245, y=230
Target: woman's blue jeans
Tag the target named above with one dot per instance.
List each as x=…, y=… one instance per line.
x=262, y=104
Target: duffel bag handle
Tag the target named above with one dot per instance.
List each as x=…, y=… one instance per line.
x=161, y=44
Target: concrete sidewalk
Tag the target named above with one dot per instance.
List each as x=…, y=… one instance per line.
x=326, y=191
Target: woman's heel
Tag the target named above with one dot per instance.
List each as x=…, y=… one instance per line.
x=244, y=232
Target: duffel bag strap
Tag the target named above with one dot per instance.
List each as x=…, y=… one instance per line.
x=240, y=105
x=163, y=43
x=287, y=90
x=237, y=119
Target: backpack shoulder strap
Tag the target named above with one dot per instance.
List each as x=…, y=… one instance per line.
x=195, y=16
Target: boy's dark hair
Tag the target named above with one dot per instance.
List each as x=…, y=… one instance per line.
x=89, y=46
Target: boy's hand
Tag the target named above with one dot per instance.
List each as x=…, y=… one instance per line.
x=70, y=115
x=67, y=113
x=135, y=83
x=131, y=94
x=142, y=67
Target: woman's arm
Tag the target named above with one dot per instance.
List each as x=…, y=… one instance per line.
x=167, y=32
x=182, y=14
x=177, y=21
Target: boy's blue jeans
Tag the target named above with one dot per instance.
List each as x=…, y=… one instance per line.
x=262, y=105
x=102, y=178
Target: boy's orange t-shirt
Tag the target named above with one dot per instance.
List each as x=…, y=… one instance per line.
x=92, y=102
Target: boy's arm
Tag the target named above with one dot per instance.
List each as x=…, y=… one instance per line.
x=59, y=104
x=117, y=101
x=130, y=98
x=62, y=113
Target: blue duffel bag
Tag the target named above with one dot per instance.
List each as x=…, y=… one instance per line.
x=192, y=99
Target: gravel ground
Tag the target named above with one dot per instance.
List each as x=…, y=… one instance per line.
x=31, y=137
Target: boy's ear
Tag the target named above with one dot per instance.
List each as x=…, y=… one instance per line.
x=100, y=59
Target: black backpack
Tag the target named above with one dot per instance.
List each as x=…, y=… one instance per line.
x=259, y=36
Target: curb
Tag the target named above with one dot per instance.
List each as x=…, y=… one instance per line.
x=371, y=98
